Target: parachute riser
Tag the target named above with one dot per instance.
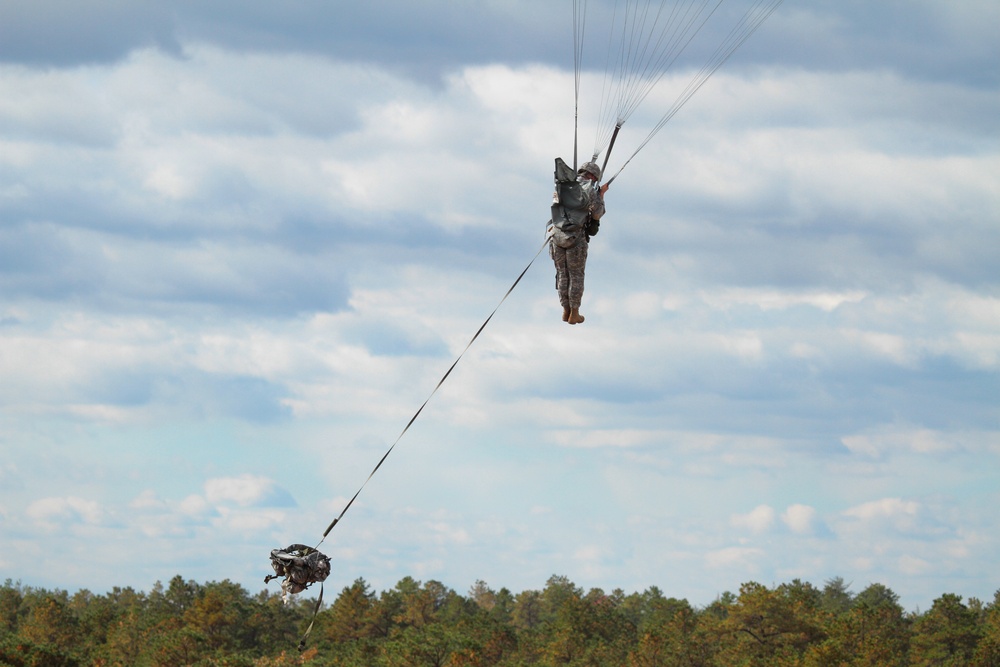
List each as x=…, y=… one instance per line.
x=611, y=145
x=576, y=135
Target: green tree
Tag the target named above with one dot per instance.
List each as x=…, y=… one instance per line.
x=348, y=631
x=836, y=598
x=424, y=604
x=650, y=608
x=350, y=617
x=503, y=608
x=488, y=641
x=126, y=638
x=988, y=650
x=674, y=636
x=771, y=627
x=172, y=602
x=217, y=615
x=219, y=623
x=527, y=612
x=947, y=634
x=558, y=590
x=483, y=596
x=874, y=632
x=10, y=606
x=51, y=623
x=418, y=603
x=589, y=631
x=19, y=653
x=385, y=611
x=876, y=595
x=170, y=643
x=271, y=626
x=111, y=625
x=428, y=645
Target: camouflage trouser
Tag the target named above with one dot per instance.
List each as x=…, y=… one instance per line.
x=570, y=264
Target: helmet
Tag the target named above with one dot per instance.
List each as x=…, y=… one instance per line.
x=590, y=168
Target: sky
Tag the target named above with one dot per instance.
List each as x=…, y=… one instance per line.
x=241, y=243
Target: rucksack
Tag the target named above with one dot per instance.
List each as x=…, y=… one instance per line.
x=570, y=207
x=300, y=565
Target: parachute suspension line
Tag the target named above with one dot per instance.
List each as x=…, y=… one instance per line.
x=650, y=41
x=424, y=404
x=608, y=112
x=683, y=25
x=579, y=24
x=747, y=26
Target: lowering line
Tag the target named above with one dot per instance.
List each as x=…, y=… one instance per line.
x=319, y=602
x=434, y=391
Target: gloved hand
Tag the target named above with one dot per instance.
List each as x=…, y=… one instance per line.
x=593, y=227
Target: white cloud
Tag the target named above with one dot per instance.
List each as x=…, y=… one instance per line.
x=447, y=533
x=748, y=346
x=245, y=490
x=148, y=500
x=802, y=255
x=885, y=508
x=592, y=560
x=895, y=439
x=259, y=520
x=64, y=511
x=895, y=348
x=913, y=566
x=800, y=519
x=195, y=506
x=743, y=559
x=592, y=438
x=758, y=520
x=890, y=518
x=859, y=444
x=168, y=180
x=765, y=299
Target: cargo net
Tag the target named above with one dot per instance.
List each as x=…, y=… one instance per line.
x=301, y=566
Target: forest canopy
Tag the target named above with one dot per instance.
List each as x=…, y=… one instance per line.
x=426, y=623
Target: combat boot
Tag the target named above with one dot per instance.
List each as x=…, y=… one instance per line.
x=574, y=316
x=565, y=313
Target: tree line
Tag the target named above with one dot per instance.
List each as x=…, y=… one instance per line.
x=426, y=623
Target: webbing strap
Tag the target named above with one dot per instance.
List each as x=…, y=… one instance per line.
x=319, y=602
x=421, y=408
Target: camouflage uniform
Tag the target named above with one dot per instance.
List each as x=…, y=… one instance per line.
x=570, y=265
x=574, y=220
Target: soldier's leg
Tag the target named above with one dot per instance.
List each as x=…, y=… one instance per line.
x=562, y=277
x=576, y=264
